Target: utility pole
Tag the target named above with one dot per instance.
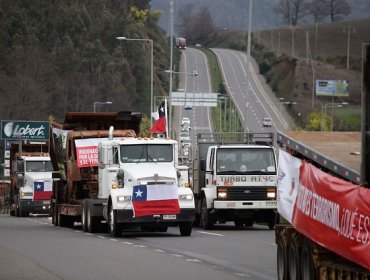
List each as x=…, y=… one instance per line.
x=248, y=54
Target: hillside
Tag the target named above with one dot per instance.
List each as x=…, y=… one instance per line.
x=59, y=56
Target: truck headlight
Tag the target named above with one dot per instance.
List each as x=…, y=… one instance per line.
x=185, y=196
x=271, y=193
x=124, y=198
x=222, y=193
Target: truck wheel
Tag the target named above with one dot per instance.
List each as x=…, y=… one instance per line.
x=238, y=223
x=282, y=259
x=248, y=223
x=114, y=227
x=56, y=216
x=307, y=265
x=207, y=218
x=185, y=228
x=293, y=257
x=83, y=215
x=271, y=224
x=196, y=222
x=92, y=224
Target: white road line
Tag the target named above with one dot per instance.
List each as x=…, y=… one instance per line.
x=102, y=237
x=177, y=255
x=127, y=243
x=211, y=233
x=160, y=251
x=193, y=260
x=113, y=239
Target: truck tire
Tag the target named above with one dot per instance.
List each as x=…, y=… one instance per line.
x=294, y=258
x=282, y=259
x=56, y=216
x=83, y=215
x=238, y=223
x=114, y=227
x=207, y=218
x=65, y=220
x=185, y=228
x=92, y=223
x=307, y=265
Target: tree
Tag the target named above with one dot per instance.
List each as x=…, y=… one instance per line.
x=318, y=9
x=338, y=8
x=195, y=26
x=292, y=11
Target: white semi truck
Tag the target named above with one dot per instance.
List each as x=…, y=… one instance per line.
x=31, y=179
x=111, y=177
x=234, y=179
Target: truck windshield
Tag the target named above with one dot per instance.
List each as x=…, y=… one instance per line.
x=39, y=166
x=146, y=153
x=245, y=160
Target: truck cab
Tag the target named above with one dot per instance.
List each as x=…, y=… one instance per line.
x=32, y=184
x=235, y=178
x=149, y=164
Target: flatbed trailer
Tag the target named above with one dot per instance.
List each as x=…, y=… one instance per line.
x=337, y=154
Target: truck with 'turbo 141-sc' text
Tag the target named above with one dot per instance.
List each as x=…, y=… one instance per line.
x=110, y=178
x=234, y=179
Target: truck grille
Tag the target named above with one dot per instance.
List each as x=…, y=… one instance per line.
x=246, y=193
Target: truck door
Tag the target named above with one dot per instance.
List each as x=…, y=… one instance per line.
x=210, y=171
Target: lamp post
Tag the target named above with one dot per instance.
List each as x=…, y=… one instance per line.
x=97, y=102
x=193, y=73
x=151, y=71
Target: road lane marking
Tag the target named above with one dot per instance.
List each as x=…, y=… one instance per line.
x=210, y=233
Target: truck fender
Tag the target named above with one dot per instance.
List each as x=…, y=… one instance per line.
x=209, y=194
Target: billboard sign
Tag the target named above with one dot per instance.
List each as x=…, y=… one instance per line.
x=332, y=88
x=180, y=98
x=25, y=130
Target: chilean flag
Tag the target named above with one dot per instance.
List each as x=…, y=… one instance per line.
x=42, y=190
x=155, y=199
x=160, y=125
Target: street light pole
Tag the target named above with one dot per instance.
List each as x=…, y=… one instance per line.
x=97, y=102
x=151, y=71
x=171, y=67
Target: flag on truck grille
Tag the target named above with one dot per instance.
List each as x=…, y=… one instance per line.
x=42, y=190
x=155, y=200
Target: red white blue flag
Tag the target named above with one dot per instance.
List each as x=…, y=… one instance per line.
x=155, y=200
x=42, y=190
x=160, y=125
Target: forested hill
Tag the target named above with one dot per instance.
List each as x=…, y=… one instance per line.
x=59, y=56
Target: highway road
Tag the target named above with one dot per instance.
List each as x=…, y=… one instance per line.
x=193, y=60
x=33, y=248
x=254, y=101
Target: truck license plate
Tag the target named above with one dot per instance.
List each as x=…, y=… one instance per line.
x=169, y=217
x=46, y=202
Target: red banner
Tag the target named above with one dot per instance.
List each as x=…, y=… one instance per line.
x=333, y=213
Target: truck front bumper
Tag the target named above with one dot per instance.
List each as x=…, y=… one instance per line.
x=225, y=204
x=35, y=207
x=126, y=216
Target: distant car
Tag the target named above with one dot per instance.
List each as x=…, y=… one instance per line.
x=267, y=122
x=184, y=136
x=188, y=107
x=185, y=121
